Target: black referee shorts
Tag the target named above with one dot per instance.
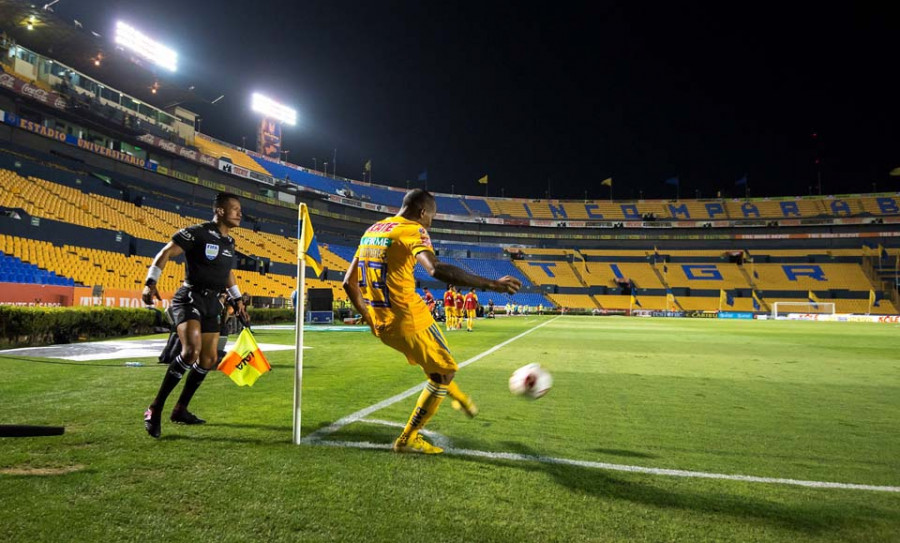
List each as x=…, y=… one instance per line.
x=199, y=305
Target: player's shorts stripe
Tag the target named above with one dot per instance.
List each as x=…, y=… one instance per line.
x=438, y=336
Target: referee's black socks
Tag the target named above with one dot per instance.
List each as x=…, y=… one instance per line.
x=194, y=380
x=173, y=375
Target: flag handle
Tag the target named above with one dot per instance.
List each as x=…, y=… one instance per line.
x=300, y=310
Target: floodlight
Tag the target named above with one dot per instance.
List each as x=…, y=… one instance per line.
x=128, y=37
x=273, y=110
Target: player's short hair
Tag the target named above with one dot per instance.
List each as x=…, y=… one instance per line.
x=223, y=197
x=418, y=199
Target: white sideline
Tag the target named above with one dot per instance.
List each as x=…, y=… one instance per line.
x=362, y=413
x=622, y=467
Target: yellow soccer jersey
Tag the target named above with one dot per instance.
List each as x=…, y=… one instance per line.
x=387, y=255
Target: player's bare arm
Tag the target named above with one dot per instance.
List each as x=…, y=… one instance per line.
x=449, y=273
x=239, y=308
x=169, y=251
x=351, y=287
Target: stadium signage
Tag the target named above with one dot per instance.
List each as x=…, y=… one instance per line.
x=18, y=86
x=90, y=146
x=176, y=149
x=736, y=315
x=702, y=314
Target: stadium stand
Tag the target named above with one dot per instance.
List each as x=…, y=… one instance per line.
x=214, y=148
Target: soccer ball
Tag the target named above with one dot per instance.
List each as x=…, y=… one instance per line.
x=531, y=381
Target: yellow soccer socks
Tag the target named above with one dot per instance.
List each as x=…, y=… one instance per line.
x=461, y=401
x=427, y=405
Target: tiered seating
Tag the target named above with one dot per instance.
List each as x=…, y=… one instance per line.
x=706, y=276
x=573, y=301
x=604, y=274
x=217, y=150
x=541, y=272
x=812, y=277
x=13, y=270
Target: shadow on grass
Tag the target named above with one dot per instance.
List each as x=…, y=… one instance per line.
x=623, y=452
x=226, y=439
x=272, y=427
x=810, y=518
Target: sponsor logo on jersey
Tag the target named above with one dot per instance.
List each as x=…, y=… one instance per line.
x=212, y=251
x=227, y=253
x=185, y=234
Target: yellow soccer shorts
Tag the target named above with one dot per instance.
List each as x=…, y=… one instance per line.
x=470, y=313
x=427, y=349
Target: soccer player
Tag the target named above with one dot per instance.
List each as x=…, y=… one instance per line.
x=210, y=256
x=471, y=305
x=449, y=308
x=429, y=300
x=381, y=285
x=460, y=304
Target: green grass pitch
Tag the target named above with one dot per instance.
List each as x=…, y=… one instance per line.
x=784, y=400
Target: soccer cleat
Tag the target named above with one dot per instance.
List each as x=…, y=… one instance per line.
x=183, y=416
x=417, y=445
x=152, y=424
x=469, y=408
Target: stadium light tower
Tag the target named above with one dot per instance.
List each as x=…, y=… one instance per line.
x=274, y=114
x=159, y=54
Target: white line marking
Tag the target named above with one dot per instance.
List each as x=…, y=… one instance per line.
x=622, y=467
x=362, y=413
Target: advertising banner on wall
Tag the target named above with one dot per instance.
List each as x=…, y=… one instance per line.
x=48, y=98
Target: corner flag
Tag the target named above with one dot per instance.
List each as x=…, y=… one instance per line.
x=308, y=246
x=307, y=255
x=245, y=363
x=484, y=180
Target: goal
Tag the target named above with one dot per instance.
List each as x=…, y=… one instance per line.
x=781, y=310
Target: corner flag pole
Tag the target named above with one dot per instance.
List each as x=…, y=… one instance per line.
x=298, y=322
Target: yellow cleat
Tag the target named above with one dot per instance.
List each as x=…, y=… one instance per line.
x=469, y=408
x=417, y=445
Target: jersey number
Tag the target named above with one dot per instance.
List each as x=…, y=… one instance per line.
x=372, y=273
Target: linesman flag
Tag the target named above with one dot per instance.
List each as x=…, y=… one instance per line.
x=245, y=363
x=483, y=180
x=634, y=301
x=606, y=182
x=306, y=239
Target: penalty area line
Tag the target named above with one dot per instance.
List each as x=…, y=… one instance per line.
x=362, y=413
x=514, y=457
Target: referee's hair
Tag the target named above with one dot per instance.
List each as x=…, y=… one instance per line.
x=417, y=200
x=223, y=197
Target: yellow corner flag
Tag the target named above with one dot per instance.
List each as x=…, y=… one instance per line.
x=813, y=299
x=483, y=180
x=306, y=239
x=607, y=182
x=368, y=166
x=245, y=363
x=895, y=172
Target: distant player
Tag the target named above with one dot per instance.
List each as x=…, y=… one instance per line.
x=381, y=285
x=449, y=308
x=459, y=304
x=209, y=258
x=490, y=314
x=429, y=301
x=471, y=304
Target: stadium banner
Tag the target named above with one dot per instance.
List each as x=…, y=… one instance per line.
x=48, y=98
x=268, y=139
x=747, y=315
x=176, y=149
x=62, y=137
x=702, y=314
x=667, y=313
x=113, y=297
x=35, y=295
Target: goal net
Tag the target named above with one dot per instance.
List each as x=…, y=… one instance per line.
x=784, y=310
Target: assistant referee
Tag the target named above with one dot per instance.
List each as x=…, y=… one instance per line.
x=210, y=256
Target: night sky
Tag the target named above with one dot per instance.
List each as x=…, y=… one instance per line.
x=561, y=95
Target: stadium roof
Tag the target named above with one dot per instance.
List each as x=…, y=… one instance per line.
x=72, y=44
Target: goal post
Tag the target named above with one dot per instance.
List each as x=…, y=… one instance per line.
x=780, y=310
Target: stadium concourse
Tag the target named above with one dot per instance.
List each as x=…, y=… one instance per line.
x=93, y=181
